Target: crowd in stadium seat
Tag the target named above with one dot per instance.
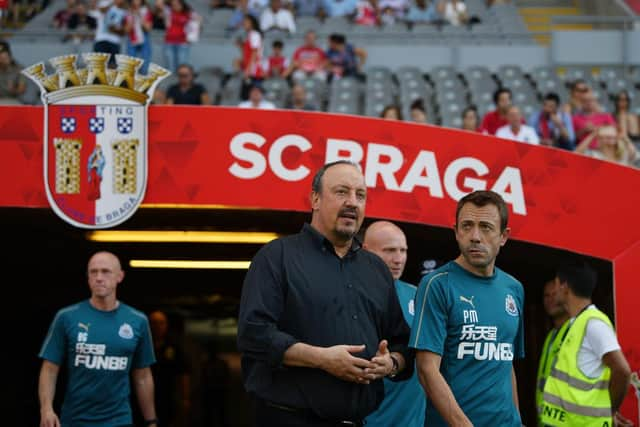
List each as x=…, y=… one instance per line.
x=556, y=107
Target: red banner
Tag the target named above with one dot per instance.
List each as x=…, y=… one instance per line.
x=415, y=173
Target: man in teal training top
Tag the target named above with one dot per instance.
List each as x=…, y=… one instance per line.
x=102, y=342
x=468, y=326
x=404, y=401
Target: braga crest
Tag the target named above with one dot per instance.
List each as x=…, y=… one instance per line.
x=95, y=144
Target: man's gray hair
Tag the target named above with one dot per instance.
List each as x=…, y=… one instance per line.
x=316, y=184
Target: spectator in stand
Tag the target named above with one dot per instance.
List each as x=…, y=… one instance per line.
x=299, y=99
x=237, y=18
x=251, y=63
x=4, y=12
x=256, y=99
x=187, y=91
x=308, y=60
x=81, y=24
x=61, y=18
x=395, y=8
x=470, y=119
x=421, y=13
x=12, y=83
x=344, y=8
x=157, y=10
x=110, y=28
x=554, y=127
x=590, y=118
x=367, y=13
x=498, y=117
x=418, y=112
x=310, y=8
x=277, y=64
x=176, y=45
x=628, y=122
x=139, y=23
x=579, y=89
x=391, y=112
x=277, y=18
x=611, y=146
x=454, y=12
x=344, y=60
x=515, y=130
x=223, y=4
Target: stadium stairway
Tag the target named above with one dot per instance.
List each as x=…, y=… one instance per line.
x=537, y=15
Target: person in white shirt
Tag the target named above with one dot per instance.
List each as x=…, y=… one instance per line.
x=453, y=12
x=256, y=100
x=599, y=347
x=110, y=20
x=516, y=130
x=277, y=18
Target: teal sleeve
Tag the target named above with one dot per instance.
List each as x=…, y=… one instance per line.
x=144, y=355
x=54, y=345
x=429, y=329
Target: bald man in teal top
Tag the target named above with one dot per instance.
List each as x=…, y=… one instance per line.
x=102, y=343
x=404, y=401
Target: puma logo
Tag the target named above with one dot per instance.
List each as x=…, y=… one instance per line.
x=83, y=326
x=467, y=300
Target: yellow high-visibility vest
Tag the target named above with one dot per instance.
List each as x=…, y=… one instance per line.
x=570, y=398
x=550, y=349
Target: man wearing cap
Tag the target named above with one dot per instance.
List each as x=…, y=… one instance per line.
x=110, y=27
x=256, y=99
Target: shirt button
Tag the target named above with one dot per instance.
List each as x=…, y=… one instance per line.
x=355, y=317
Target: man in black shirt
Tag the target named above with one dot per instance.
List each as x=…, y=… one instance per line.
x=186, y=91
x=320, y=324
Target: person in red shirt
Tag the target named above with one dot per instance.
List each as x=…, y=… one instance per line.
x=308, y=60
x=589, y=119
x=176, y=46
x=277, y=63
x=497, y=118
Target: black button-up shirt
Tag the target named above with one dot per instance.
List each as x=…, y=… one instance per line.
x=299, y=290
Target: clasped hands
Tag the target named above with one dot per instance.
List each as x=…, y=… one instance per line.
x=340, y=362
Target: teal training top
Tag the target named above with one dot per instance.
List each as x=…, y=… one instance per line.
x=99, y=349
x=476, y=324
x=404, y=401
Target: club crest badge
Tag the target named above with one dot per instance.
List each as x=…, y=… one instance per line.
x=125, y=331
x=510, y=306
x=95, y=139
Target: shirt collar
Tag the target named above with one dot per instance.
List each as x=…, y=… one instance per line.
x=322, y=242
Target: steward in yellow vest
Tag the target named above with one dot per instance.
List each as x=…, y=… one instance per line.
x=589, y=376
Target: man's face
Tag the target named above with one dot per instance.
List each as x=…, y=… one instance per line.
x=552, y=299
x=478, y=234
x=340, y=205
x=310, y=39
x=514, y=117
x=255, y=95
x=104, y=275
x=418, y=116
x=549, y=106
x=390, y=244
x=504, y=101
x=184, y=75
x=590, y=103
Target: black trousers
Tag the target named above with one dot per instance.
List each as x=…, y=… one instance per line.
x=271, y=415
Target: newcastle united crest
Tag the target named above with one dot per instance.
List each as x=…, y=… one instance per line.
x=95, y=139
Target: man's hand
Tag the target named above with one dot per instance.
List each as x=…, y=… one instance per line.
x=339, y=362
x=383, y=362
x=48, y=418
x=620, y=421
